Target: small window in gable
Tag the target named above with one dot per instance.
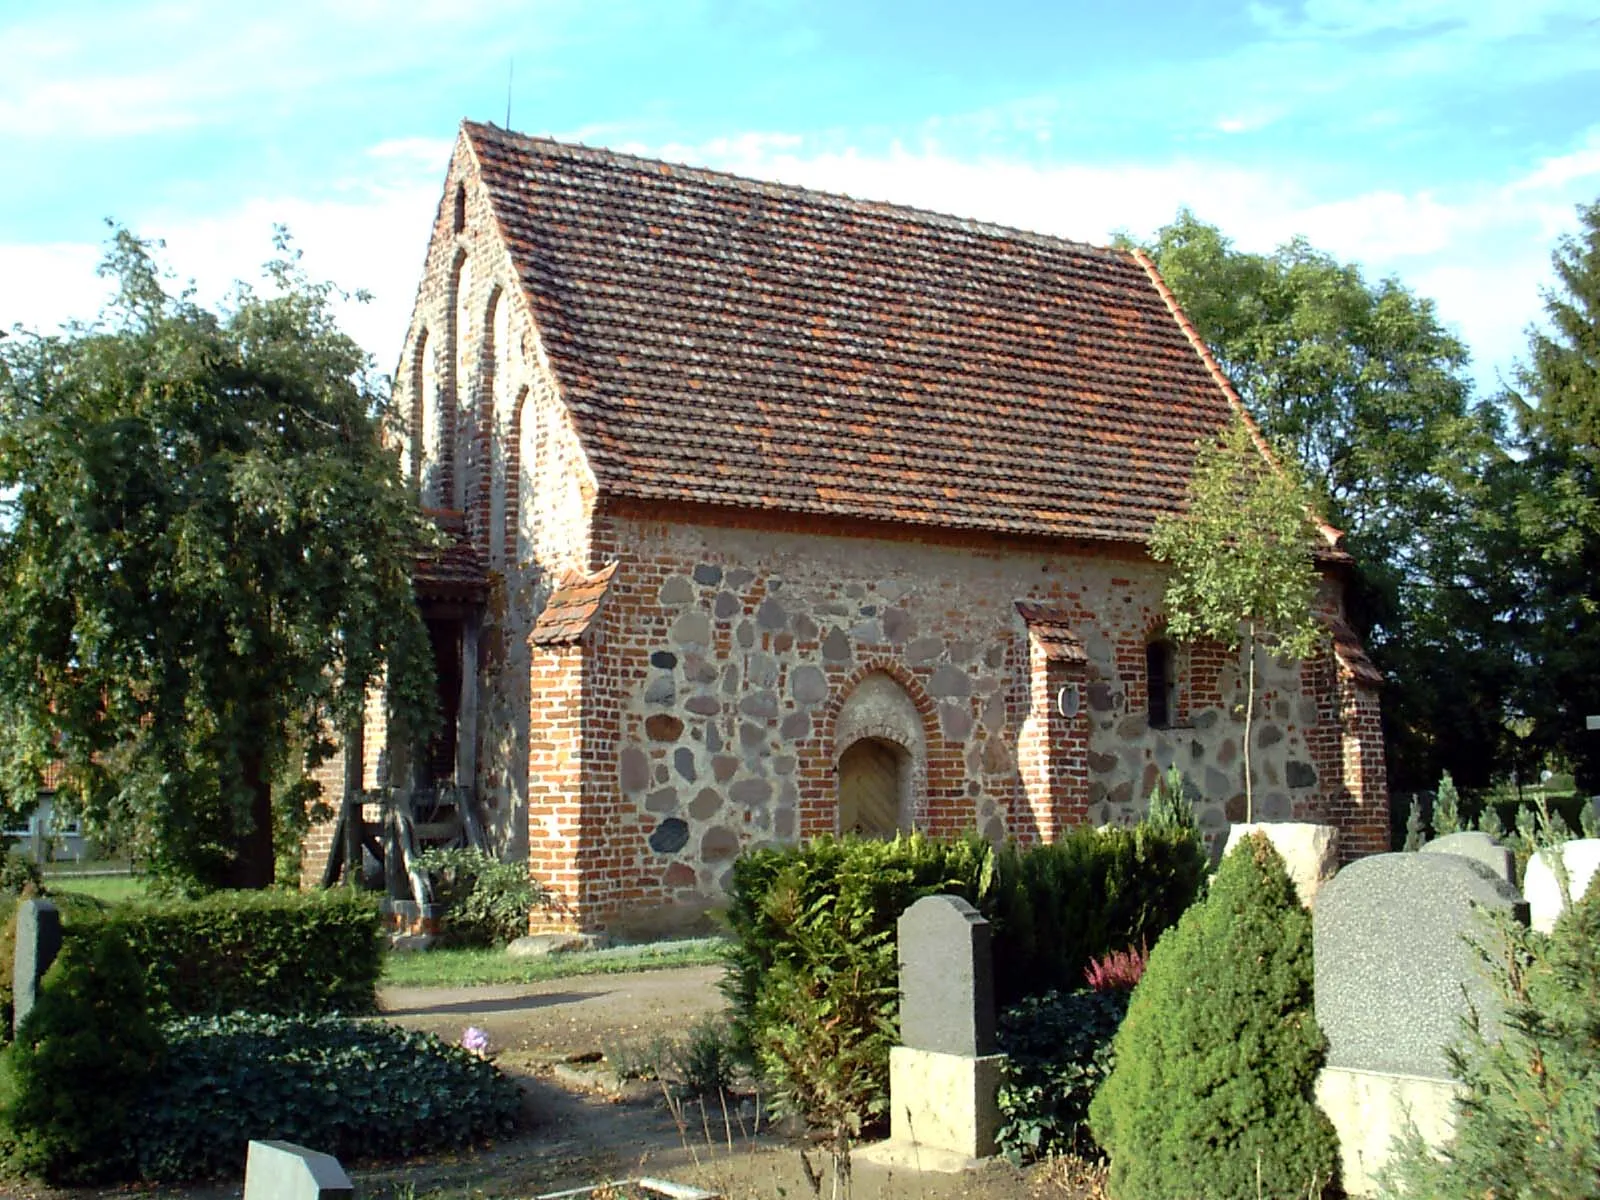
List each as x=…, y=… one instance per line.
x=1161, y=682
x=461, y=207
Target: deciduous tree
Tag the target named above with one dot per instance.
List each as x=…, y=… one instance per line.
x=205, y=559
x=1361, y=385
x=1241, y=561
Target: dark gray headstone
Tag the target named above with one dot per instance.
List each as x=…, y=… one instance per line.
x=946, y=978
x=1395, y=969
x=1479, y=847
x=284, y=1171
x=38, y=943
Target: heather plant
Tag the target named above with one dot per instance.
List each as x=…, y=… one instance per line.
x=1211, y=1094
x=1119, y=971
x=1528, y=1121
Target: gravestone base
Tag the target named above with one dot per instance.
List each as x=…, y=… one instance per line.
x=944, y=1105
x=1370, y=1109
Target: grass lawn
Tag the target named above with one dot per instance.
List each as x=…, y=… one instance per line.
x=454, y=968
x=113, y=889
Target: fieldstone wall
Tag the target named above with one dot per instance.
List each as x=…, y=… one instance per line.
x=729, y=645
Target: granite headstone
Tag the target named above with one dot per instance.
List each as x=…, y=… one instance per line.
x=38, y=943
x=1479, y=847
x=285, y=1171
x=1395, y=967
x=946, y=978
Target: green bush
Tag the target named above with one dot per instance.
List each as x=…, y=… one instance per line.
x=1058, y=907
x=71, y=1084
x=813, y=977
x=1211, y=1092
x=1058, y=1052
x=18, y=874
x=1529, y=1121
x=486, y=901
x=288, y=953
x=354, y=1089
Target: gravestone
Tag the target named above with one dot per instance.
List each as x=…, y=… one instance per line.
x=285, y=1171
x=946, y=978
x=1396, y=973
x=1310, y=852
x=944, y=1077
x=1543, y=888
x=1479, y=847
x=38, y=943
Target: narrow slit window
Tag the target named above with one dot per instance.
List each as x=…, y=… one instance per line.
x=1162, y=684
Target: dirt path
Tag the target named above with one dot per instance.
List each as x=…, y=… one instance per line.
x=587, y=1134
x=561, y=1018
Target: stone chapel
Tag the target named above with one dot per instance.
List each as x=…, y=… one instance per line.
x=778, y=513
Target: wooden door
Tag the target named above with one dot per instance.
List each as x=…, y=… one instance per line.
x=870, y=781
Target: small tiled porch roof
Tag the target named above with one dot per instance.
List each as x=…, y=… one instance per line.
x=1352, y=655
x=738, y=343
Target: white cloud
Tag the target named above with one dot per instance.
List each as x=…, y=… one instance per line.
x=45, y=285
x=370, y=236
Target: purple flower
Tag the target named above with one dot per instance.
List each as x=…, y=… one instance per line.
x=475, y=1041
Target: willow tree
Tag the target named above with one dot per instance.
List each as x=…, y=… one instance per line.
x=1240, y=558
x=205, y=562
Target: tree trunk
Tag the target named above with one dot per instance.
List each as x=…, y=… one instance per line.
x=1249, y=717
x=254, y=864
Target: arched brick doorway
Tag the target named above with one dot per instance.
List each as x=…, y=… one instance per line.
x=880, y=759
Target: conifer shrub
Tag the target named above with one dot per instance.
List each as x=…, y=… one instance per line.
x=1529, y=1121
x=1211, y=1093
x=72, y=1083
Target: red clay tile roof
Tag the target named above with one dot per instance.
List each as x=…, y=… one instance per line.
x=572, y=608
x=742, y=343
x=1052, y=628
x=454, y=569
x=1352, y=655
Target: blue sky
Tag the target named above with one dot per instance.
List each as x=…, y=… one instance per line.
x=1444, y=143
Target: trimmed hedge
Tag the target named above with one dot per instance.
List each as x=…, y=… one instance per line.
x=814, y=930
x=288, y=953
x=1058, y=907
x=353, y=1089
